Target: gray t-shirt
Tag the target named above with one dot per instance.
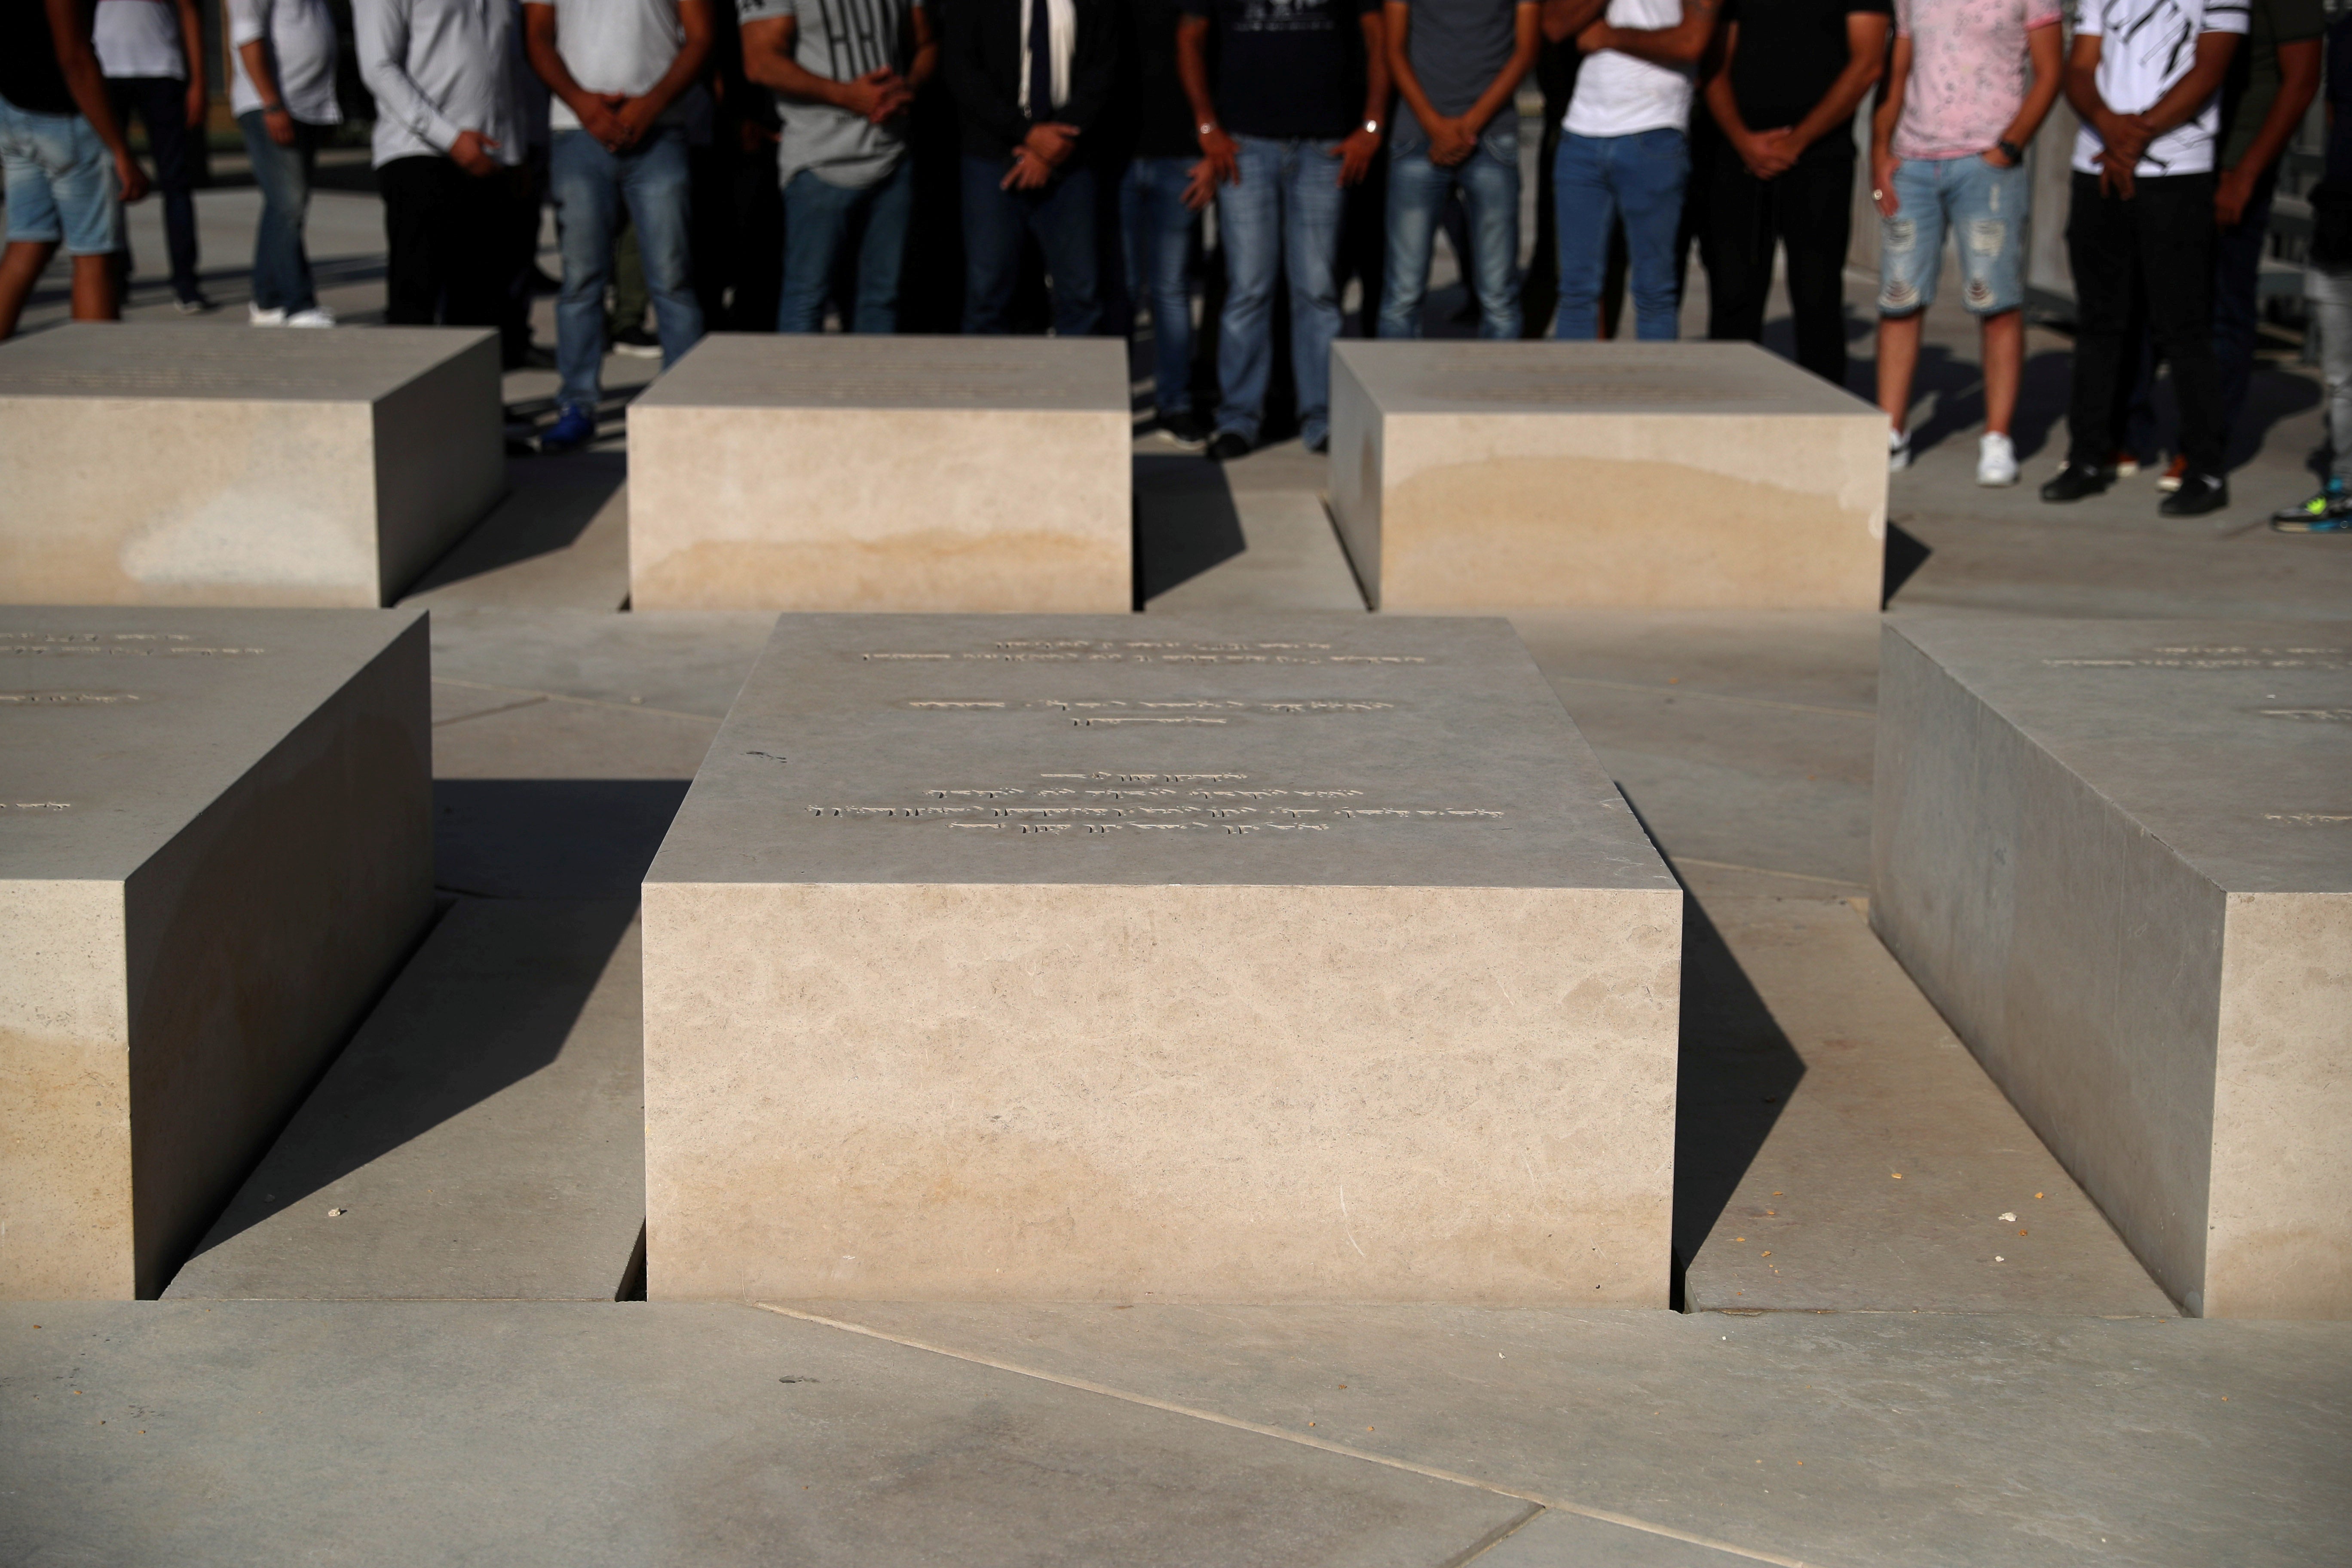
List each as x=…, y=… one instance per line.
x=842, y=40
x=1459, y=46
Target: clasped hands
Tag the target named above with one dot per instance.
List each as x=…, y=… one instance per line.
x=616, y=120
x=1046, y=149
x=2123, y=138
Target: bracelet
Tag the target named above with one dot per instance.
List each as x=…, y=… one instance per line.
x=273, y=108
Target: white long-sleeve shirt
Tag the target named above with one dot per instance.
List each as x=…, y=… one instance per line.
x=439, y=67
x=297, y=37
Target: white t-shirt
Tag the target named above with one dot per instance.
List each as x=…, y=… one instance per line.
x=1619, y=95
x=617, y=46
x=299, y=39
x=138, y=37
x=2146, y=46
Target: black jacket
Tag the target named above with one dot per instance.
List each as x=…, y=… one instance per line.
x=980, y=59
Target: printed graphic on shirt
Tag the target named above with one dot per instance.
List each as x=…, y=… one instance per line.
x=2145, y=47
x=1284, y=16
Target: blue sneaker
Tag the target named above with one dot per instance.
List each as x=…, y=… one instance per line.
x=575, y=429
x=2329, y=511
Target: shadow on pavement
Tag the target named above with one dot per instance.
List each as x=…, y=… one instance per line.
x=549, y=839
x=1185, y=522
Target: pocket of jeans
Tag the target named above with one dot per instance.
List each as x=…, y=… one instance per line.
x=1500, y=140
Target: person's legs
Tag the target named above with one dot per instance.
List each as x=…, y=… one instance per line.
x=1651, y=170
x=1062, y=216
x=36, y=228
x=282, y=269
x=888, y=205
x=1584, y=208
x=412, y=189
x=1815, y=217
x=1417, y=188
x=1314, y=204
x=82, y=197
x=2237, y=310
x=993, y=223
x=1489, y=179
x=2099, y=249
x=657, y=181
x=1162, y=238
x=163, y=105
x=1910, y=259
x=586, y=189
x=817, y=222
x=2172, y=223
x=1988, y=207
x=2330, y=294
x=1249, y=231
x=1737, y=252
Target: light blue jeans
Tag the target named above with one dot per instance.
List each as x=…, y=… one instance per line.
x=60, y=181
x=823, y=220
x=1159, y=230
x=1418, y=190
x=590, y=186
x=1595, y=181
x=1983, y=206
x=1281, y=218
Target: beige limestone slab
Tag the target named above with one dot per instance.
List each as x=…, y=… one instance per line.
x=1207, y=958
x=1546, y=475
x=216, y=842
x=165, y=465
x=2118, y=856
x=910, y=473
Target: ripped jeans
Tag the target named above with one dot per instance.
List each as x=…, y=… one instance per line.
x=1984, y=208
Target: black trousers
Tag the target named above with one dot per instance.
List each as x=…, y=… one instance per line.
x=447, y=234
x=2150, y=256
x=1809, y=209
x=161, y=104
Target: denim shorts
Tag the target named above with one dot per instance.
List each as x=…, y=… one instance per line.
x=1983, y=207
x=61, y=182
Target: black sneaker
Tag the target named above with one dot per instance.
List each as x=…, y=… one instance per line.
x=1184, y=427
x=2076, y=481
x=636, y=342
x=2198, y=494
x=1227, y=445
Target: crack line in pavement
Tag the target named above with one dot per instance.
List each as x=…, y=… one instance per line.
x=1492, y=1538
x=1433, y=1473
x=1715, y=697
x=532, y=701
x=585, y=702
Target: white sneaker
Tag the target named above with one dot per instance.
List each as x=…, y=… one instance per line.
x=1898, y=451
x=261, y=317
x=315, y=316
x=1996, y=460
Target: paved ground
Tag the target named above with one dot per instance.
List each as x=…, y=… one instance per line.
x=1874, y=1372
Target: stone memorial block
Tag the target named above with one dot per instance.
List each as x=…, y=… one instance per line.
x=1206, y=958
x=216, y=842
x=1543, y=476
x=2118, y=856
x=910, y=473
x=174, y=465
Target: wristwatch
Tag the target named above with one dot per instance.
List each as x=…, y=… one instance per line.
x=2012, y=152
x=1372, y=126
x=1206, y=127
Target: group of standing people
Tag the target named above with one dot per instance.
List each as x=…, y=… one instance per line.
x=1333, y=137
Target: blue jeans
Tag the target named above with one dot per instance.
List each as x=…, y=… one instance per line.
x=822, y=221
x=281, y=267
x=1062, y=216
x=1418, y=190
x=60, y=181
x=1985, y=206
x=590, y=184
x=1595, y=181
x=1281, y=218
x=1158, y=229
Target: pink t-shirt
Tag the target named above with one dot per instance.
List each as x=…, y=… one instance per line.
x=1968, y=72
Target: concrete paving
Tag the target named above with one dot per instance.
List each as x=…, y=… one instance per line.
x=481, y=1139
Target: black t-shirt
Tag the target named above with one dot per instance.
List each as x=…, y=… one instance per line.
x=1161, y=114
x=1289, y=70
x=1789, y=53
x=30, y=77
